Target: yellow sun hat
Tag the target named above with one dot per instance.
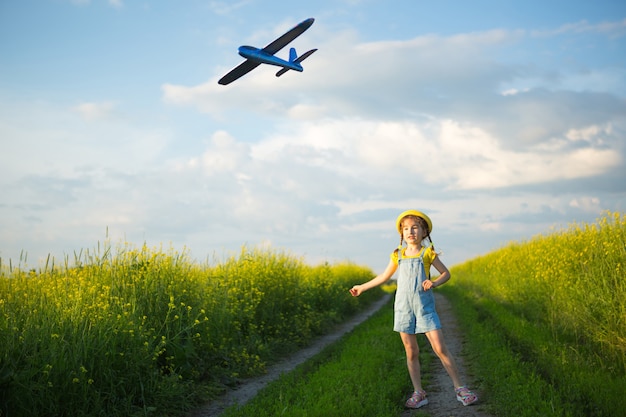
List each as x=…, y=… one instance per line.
x=413, y=213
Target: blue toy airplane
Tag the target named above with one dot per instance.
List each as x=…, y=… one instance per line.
x=255, y=56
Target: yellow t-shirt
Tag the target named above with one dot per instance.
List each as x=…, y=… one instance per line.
x=429, y=257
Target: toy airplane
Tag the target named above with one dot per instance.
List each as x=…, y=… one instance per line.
x=255, y=56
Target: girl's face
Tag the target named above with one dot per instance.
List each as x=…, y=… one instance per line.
x=412, y=231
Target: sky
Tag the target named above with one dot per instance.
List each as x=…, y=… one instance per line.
x=502, y=120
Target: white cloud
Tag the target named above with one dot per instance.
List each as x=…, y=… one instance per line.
x=224, y=155
x=223, y=7
x=306, y=112
x=451, y=77
x=478, y=161
x=118, y=4
x=444, y=153
x=355, y=166
x=323, y=160
x=588, y=204
x=612, y=29
x=514, y=91
x=95, y=111
x=490, y=226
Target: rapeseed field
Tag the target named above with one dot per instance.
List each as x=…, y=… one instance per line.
x=143, y=331
x=557, y=305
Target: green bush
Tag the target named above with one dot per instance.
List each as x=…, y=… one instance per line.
x=149, y=332
x=559, y=302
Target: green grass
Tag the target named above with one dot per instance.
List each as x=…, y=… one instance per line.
x=142, y=331
x=363, y=374
x=510, y=384
x=546, y=321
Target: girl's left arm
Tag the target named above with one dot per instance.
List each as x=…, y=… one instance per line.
x=444, y=275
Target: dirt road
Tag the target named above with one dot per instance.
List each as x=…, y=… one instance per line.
x=250, y=387
x=442, y=401
x=441, y=398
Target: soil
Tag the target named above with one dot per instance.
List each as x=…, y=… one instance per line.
x=441, y=397
x=442, y=400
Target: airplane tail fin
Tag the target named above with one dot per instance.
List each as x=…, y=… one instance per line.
x=293, y=55
x=294, y=58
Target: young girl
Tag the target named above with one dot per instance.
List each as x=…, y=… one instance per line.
x=414, y=308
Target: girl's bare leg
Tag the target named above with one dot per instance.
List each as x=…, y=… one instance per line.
x=412, y=359
x=435, y=338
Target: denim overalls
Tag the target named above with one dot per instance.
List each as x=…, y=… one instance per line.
x=414, y=308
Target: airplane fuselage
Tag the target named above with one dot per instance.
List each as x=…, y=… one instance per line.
x=260, y=56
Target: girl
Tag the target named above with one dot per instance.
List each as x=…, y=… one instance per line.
x=414, y=308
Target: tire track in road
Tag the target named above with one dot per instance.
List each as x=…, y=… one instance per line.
x=250, y=387
x=441, y=396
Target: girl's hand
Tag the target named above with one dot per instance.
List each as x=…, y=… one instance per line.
x=428, y=284
x=356, y=291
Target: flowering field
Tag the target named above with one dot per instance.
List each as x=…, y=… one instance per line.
x=559, y=301
x=148, y=332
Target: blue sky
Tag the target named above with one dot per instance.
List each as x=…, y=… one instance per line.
x=500, y=119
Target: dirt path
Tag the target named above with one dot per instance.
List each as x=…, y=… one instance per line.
x=442, y=402
x=249, y=388
x=441, y=398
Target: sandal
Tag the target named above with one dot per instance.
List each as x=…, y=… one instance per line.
x=417, y=400
x=466, y=396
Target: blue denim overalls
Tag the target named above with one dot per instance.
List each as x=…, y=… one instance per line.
x=414, y=308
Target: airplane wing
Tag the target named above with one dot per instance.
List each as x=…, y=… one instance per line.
x=275, y=46
x=299, y=59
x=293, y=33
x=239, y=71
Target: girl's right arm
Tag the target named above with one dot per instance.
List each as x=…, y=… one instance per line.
x=380, y=279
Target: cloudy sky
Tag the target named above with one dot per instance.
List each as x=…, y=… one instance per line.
x=501, y=119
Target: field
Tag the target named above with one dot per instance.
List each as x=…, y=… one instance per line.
x=364, y=374
x=545, y=326
x=144, y=331
x=547, y=321
x=148, y=332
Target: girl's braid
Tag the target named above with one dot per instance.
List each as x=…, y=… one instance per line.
x=424, y=226
x=399, y=246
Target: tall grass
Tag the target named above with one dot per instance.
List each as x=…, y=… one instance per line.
x=141, y=331
x=559, y=302
x=363, y=374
